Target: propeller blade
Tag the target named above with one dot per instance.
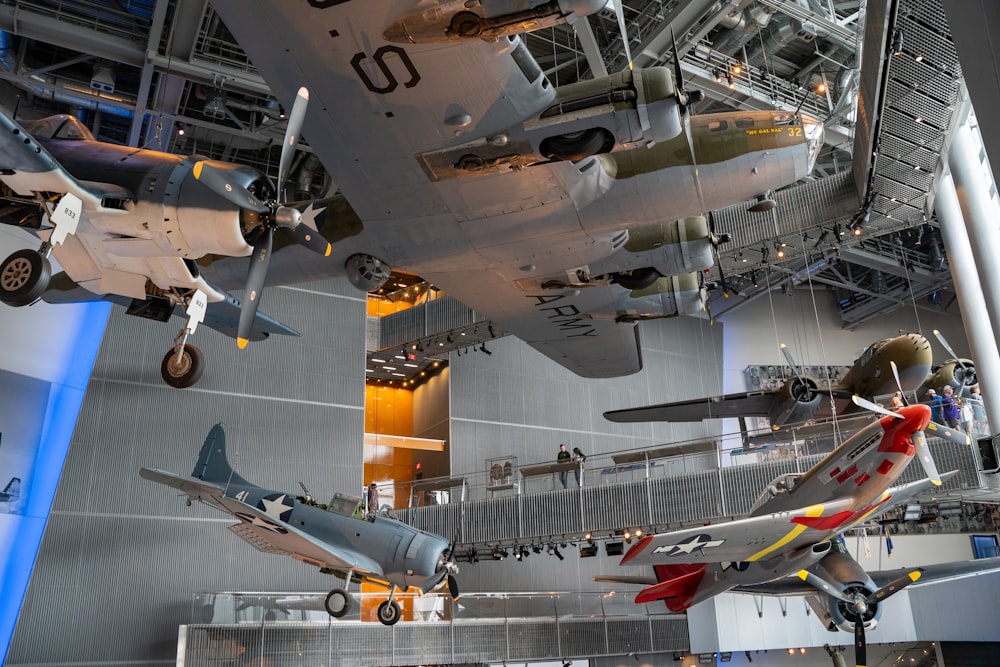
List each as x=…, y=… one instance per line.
x=678, y=73
x=899, y=385
x=259, y=261
x=822, y=585
x=292, y=132
x=620, y=14
x=926, y=460
x=868, y=405
x=453, y=587
x=218, y=182
x=289, y=219
x=860, y=646
x=310, y=238
x=947, y=347
x=791, y=362
x=894, y=586
x=949, y=434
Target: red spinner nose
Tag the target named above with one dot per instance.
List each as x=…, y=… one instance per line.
x=915, y=418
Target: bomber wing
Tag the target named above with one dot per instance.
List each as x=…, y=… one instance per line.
x=750, y=404
x=390, y=121
x=755, y=538
x=261, y=530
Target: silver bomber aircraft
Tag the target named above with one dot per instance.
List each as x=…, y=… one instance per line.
x=793, y=529
x=337, y=538
x=560, y=215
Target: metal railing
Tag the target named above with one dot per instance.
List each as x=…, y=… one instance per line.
x=292, y=628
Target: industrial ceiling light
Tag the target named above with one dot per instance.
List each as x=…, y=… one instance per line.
x=897, y=42
x=718, y=75
x=730, y=82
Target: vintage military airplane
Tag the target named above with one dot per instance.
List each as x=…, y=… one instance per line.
x=128, y=224
x=548, y=211
x=338, y=538
x=792, y=525
x=801, y=397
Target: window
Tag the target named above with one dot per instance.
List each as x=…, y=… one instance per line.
x=985, y=546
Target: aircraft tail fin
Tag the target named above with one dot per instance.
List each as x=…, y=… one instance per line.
x=213, y=465
x=13, y=489
x=677, y=587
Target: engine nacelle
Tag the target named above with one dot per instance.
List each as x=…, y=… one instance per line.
x=676, y=247
x=795, y=402
x=670, y=296
x=198, y=222
x=487, y=19
x=367, y=273
x=630, y=108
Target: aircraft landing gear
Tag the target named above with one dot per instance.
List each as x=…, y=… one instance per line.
x=338, y=603
x=24, y=276
x=389, y=612
x=183, y=364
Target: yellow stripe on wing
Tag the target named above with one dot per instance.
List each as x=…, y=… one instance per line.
x=813, y=511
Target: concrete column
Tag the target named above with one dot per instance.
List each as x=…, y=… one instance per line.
x=969, y=289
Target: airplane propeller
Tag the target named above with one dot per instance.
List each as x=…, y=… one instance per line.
x=919, y=438
x=801, y=385
x=275, y=215
x=859, y=606
x=967, y=379
x=684, y=99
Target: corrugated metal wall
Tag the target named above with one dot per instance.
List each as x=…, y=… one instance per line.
x=121, y=556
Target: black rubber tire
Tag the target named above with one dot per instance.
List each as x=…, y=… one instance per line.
x=187, y=372
x=576, y=145
x=338, y=603
x=389, y=613
x=637, y=279
x=24, y=277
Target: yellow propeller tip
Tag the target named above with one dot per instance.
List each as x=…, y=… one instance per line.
x=914, y=576
x=936, y=482
x=802, y=574
x=242, y=343
x=197, y=169
x=329, y=249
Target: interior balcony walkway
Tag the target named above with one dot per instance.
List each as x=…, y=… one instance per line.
x=285, y=630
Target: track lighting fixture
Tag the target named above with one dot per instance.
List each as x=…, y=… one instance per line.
x=897, y=42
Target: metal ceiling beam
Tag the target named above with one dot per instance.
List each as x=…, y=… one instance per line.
x=33, y=25
x=889, y=265
x=842, y=35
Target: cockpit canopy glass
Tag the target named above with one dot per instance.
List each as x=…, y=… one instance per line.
x=60, y=127
x=343, y=503
x=779, y=485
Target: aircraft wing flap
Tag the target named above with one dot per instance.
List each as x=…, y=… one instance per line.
x=756, y=403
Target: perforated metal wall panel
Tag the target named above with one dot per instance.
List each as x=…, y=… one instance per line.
x=127, y=552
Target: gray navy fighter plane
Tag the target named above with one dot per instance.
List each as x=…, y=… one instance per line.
x=338, y=538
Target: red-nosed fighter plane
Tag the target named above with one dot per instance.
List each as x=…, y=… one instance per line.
x=792, y=526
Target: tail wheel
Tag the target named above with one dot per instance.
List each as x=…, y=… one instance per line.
x=338, y=603
x=24, y=277
x=184, y=371
x=389, y=612
x=575, y=146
